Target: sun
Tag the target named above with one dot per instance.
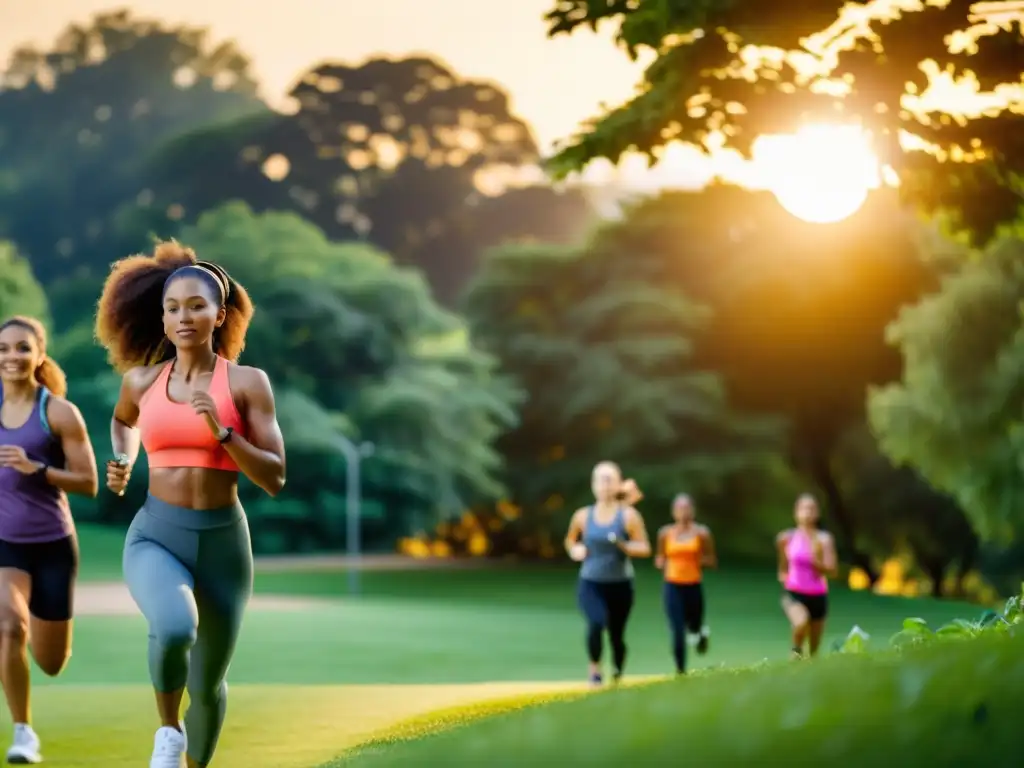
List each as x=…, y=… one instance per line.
x=821, y=173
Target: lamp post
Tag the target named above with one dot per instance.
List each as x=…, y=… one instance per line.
x=354, y=455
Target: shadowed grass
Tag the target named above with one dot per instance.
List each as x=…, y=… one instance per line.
x=454, y=717
x=948, y=704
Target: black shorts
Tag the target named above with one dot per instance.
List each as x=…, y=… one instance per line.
x=52, y=566
x=816, y=605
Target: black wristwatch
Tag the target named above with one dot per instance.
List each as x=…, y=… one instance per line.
x=41, y=471
x=228, y=432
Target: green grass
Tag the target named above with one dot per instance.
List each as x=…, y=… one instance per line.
x=268, y=726
x=949, y=704
x=100, y=549
x=419, y=641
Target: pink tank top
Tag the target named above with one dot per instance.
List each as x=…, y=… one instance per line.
x=802, y=577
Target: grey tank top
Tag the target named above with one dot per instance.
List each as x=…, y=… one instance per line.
x=605, y=562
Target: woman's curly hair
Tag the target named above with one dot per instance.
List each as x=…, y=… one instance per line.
x=129, y=316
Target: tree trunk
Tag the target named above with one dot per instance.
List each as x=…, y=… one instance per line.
x=968, y=559
x=823, y=478
x=938, y=576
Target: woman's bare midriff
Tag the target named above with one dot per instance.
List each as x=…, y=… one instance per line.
x=194, y=488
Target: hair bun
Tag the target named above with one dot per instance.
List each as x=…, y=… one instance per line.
x=173, y=254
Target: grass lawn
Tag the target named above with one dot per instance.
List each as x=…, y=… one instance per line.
x=308, y=684
x=100, y=553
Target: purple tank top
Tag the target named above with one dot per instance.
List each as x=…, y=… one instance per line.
x=802, y=576
x=31, y=510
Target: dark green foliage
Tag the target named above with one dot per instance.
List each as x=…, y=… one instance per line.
x=955, y=415
x=78, y=121
x=691, y=301
x=898, y=511
x=20, y=293
x=601, y=342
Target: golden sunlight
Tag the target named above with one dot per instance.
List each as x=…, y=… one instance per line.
x=821, y=173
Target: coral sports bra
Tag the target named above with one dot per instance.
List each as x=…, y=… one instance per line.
x=174, y=435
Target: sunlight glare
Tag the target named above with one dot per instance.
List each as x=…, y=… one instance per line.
x=821, y=173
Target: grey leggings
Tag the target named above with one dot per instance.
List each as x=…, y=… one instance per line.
x=190, y=572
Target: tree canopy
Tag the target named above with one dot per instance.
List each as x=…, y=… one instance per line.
x=796, y=313
x=602, y=344
x=734, y=71
x=79, y=119
x=401, y=153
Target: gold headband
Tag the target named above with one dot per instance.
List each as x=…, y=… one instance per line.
x=208, y=268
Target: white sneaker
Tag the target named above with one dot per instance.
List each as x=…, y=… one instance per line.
x=168, y=748
x=25, y=749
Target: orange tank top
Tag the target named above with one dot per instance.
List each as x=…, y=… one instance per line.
x=682, y=559
x=174, y=435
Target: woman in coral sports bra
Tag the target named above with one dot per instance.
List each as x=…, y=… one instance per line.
x=202, y=420
x=685, y=549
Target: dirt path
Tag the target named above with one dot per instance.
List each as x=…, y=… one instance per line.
x=277, y=564
x=112, y=598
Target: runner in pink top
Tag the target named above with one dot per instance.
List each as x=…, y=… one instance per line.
x=807, y=557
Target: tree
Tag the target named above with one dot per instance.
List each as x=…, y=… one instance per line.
x=77, y=121
x=20, y=293
x=797, y=312
x=736, y=71
x=389, y=151
x=602, y=347
x=955, y=414
x=899, y=512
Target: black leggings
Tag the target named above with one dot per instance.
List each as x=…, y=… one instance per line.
x=684, y=606
x=606, y=606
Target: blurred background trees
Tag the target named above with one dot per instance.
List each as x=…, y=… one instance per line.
x=421, y=284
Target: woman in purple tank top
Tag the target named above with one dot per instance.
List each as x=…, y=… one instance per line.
x=807, y=557
x=44, y=455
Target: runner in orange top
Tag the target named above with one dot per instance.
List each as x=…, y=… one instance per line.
x=685, y=548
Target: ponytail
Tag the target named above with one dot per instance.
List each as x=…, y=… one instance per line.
x=229, y=339
x=51, y=376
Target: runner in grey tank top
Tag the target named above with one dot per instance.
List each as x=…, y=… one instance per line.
x=44, y=455
x=603, y=538
x=606, y=561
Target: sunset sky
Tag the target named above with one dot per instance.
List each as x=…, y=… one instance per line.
x=554, y=84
